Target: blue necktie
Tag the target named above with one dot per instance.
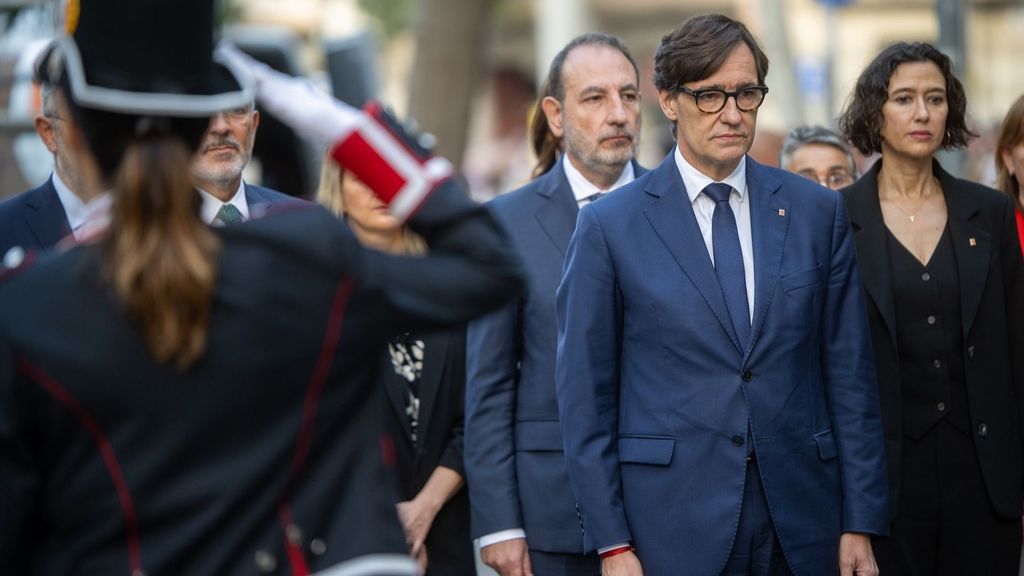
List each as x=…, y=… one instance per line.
x=725, y=241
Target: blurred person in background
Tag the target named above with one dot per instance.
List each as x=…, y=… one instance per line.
x=1010, y=161
x=424, y=376
x=945, y=285
x=818, y=154
x=177, y=398
x=39, y=218
x=586, y=127
x=218, y=165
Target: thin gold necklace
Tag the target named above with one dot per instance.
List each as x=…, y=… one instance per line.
x=910, y=217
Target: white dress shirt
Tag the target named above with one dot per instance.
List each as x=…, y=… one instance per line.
x=583, y=188
x=704, y=208
x=74, y=208
x=212, y=205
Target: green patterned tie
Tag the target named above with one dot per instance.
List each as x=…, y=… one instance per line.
x=228, y=214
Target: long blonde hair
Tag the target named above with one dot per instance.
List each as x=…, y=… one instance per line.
x=329, y=194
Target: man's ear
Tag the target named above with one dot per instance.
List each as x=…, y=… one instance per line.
x=255, y=120
x=45, y=130
x=553, y=112
x=669, y=105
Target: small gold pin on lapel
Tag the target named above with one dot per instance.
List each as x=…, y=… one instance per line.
x=972, y=242
x=782, y=211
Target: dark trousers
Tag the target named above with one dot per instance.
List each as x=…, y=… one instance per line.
x=756, y=550
x=944, y=524
x=557, y=564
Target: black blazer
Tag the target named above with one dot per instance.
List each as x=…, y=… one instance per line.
x=981, y=224
x=33, y=220
x=264, y=455
x=442, y=386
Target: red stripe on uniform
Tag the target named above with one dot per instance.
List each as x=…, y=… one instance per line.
x=357, y=155
x=294, y=549
x=106, y=451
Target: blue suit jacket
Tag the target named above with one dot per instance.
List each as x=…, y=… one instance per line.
x=655, y=395
x=35, y=220
x=514, y=463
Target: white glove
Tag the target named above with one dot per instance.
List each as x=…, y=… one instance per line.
x=371, y=143
x=309, y=111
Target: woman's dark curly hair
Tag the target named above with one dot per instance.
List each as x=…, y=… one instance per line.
x=861, y=120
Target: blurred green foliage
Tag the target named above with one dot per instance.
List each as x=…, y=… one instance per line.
x=392, y=16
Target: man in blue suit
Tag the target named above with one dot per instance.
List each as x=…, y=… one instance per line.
x=715, y=379
x=523, y=509
x=41, y=217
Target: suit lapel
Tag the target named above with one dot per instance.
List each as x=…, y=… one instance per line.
x=873, y=253
x=971, y=246
x=557, y=212
x=435, y=350
x=397, y=391
x=45, y=217
x=672, y=218
x=769, y=220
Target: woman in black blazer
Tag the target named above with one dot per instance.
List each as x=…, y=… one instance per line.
x=179, y=399
x=942, y=270
x=424, y=376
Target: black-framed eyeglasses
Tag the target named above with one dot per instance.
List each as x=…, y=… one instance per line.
x=713, y=100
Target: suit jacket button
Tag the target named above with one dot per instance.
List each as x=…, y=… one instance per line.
x=737, y=440
x=747, y=375
x=970, y=352
x=982, y=429
x=265, y=561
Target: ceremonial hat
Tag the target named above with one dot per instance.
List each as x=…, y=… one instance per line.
x=133, y=67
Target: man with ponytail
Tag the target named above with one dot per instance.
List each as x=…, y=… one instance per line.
x=177, y=398
x=585, y=131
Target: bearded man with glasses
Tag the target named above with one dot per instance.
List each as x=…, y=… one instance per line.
x=715, y=377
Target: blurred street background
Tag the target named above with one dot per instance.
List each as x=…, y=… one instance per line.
x=468, y=70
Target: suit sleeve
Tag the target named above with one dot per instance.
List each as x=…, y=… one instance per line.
x=587, y=381
x=850, y=380
x=452, y=457
x=493, y=345
x=17, y=471
x=470, y=267
x=1013, y=290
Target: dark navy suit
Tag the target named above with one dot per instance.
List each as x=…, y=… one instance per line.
x=34, y=220
x=655, y=395
x=514, y=461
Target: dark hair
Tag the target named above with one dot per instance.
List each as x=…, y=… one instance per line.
x=1010, y=135
x=861, y=120
x=698, y=47
x=545, y=145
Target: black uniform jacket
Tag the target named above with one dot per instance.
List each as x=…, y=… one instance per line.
x=265, y=456
x=991, y=274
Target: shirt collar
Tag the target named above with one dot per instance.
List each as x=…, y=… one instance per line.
x=212, y=204
x=76, y=210
x=695, y=181
x=583, y=188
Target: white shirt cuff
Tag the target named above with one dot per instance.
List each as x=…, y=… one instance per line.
x=604, y=549
x=495, y=537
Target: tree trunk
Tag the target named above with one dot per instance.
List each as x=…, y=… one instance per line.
x=449, y=57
